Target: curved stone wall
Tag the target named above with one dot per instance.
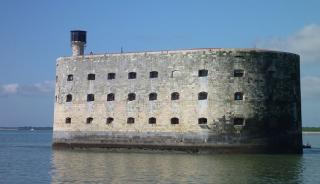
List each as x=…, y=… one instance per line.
x=240, y=98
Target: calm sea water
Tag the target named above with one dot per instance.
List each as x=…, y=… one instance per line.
x=27, y=157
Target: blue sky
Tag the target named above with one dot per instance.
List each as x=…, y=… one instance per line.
x=34, y=33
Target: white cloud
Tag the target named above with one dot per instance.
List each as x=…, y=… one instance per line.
x=310, y=86
x=41, y=88
x=45, y=87
x=305, y=42
x=9, y=89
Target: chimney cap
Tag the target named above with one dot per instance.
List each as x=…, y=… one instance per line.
x=78, y=36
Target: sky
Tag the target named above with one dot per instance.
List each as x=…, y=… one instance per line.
x=34, y=33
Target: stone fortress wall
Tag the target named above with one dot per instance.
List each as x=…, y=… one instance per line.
x=227, y=98
x=220, y=100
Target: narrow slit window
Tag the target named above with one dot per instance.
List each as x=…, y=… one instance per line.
x=174, y=121
x=131, y=96
x=153, y=74
x=89, y=120
x=111, y=76
x=152, y=120
x=91, y=76
x=202, y=121
x=130, y=120
x=68, y=120
x=238, y=96
x=110, y=97
x=239, y=56
x=132, y=75
x=152, y=96
x=238, y=73
x=238, y=121
x=69, y=98
x=90, y=97
x=70, y=78
x=109, y=120
x=202, y=95
x=175, y=96
x=203, y=73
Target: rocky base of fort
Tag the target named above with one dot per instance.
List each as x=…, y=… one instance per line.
x=160, y=141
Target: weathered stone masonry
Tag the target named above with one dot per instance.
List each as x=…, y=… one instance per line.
x=238, y=100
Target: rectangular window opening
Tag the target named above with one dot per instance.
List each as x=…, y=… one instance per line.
x=70, y=78
x=132, y=75
x=238, y=73
x=174, y=121
x=68, y=120
x=90, y=97
x=238, y=121
x=109, y=120
x=202, y=121
x=152, y=120
x=89, y=120
x=111, y=76
x=91, y=76
x=153, y=74
x=130, y=120
x=203, y=73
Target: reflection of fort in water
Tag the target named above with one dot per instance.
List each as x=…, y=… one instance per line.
x=115, y=167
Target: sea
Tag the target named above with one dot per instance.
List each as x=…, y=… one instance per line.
x=27, y=157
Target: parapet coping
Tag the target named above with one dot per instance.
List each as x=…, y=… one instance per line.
x=176, y=51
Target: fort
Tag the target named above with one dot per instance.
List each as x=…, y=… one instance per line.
x=202, y=100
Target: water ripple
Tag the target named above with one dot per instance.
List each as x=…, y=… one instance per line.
x=28, y=158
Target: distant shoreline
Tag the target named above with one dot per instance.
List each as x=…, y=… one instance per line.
x=50, y=128
x=24, y=128
x=307, y=132
x=8, y=129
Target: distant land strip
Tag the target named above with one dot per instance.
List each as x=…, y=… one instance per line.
x=310, y=129
x=304, y=129
x=26, y=128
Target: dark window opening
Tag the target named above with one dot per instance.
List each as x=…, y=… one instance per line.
x=56, y=78
x=91, y=76
x=132, y=75
x=110, y=97
x=238, y=96
x=153, y=74
x=152, y=120
x=152, y=96
x=130, y=120
x=238, y=73
x=174, y=121
x=111, y=76
x=238, y=121
x=202, y=95
x=89, y=120
x=109, y=120
x=69, y=98
x=90, y=97
x=70, y=78
x=68, y=120
x=131, y=96
x=202, y=121
x=203, y=73
x=175, y=96
x=238, y=56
